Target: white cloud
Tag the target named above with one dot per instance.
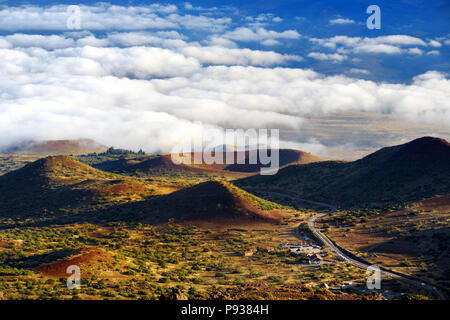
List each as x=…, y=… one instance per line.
x=415, y=51
x=263, y=19
x=335, y=57
x=106, y=17
x=336, y=40
x=433, y=53
x=359, y=71
x=122, y=112
x=34, y=40
x=342, y=21
x=139, y=89
x=260, y=34
x=218, y=51
x=383, y=44
x=103, y=57
x=435, y=43
x=91, y=92
x=200, y=22
x=170, y=8
x=221, y=42
x=230, y=56
x=378, y=48
x=137, y=62
x=172, y=34
x=270, y=42
x=312, y=145
x=397, y=40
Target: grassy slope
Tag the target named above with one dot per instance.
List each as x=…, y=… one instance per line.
x=209, y=201
x=163, y=164
x=392, y=175
x=413, y=240
x=60, y=182
x=59, y=185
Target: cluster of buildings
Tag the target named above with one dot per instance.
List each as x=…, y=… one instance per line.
x=301, y=248
x=311, y=250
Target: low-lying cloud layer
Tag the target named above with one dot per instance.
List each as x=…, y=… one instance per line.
x=154, y=89
x=106, y=17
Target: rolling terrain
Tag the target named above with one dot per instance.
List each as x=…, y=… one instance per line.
x=55, y=147
x=413, y=241
x=391, y=176
x=163, y=164
x=116, y=214
x=212, y=201
x=59, y=183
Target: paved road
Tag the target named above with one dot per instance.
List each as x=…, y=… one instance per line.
x=342, y=255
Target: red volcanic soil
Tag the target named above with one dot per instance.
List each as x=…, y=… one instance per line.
x=114, y=187
x=4, y=244
x=88, y=257
x=58, y=182
x=213, y=201
x=56, y=147
x=439, y=201
x=161, y=163
x=286, y=157
x=223, y=223
x=224, y=163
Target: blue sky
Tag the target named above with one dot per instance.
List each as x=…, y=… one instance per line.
x=141, y=74
x=426, y=20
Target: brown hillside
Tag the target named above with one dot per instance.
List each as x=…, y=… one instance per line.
x=393, y=175
x=58, y=182
x=87, y=257
x=164, y=163
x=54, y=147
x=286, y=157
x=159, y=164
x=418, y=234
x=208, y=201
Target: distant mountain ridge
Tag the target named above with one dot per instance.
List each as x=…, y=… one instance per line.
x=393, y=175
x=166, y=163
x=55, y=147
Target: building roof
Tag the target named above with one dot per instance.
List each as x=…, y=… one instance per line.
x=255, y=284
x=316, y=256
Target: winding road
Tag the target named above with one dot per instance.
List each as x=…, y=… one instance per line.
x=344, y=256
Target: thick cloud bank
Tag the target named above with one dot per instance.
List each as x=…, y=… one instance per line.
x=153, y=90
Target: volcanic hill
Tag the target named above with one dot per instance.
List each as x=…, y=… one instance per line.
x=408, y=172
